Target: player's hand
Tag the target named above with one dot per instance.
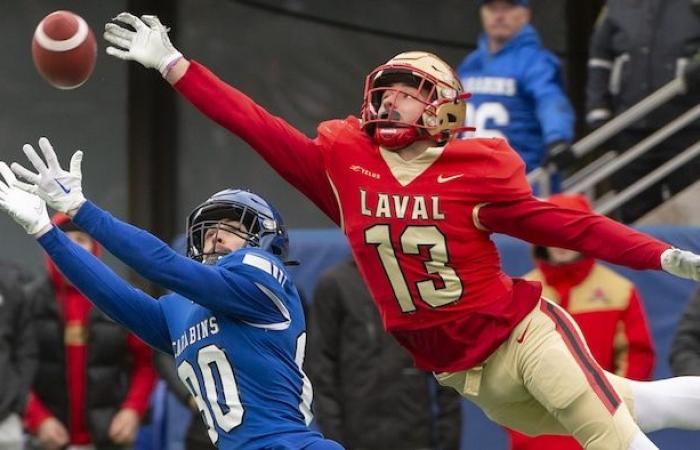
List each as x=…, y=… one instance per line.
x=61, y=189
x=52, y=434
x=681, y=263
x=28, y=210
x=124, y=426
x=148, y=45
x=559, y=154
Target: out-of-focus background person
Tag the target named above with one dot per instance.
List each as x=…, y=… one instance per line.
x=517, y=86
x=367, y=393
x=685, y=350
x=636, y=48
x=18, y=353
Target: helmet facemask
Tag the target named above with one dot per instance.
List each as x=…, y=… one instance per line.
x=212, y=218
x=389, y=126
x=439, y=90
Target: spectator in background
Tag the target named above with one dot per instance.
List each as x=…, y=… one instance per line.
x=368, y=395
x=607, y=308
x=636, y=48
x=18, y=354
x=685, y=350
x=95, y=378
x=516, y=87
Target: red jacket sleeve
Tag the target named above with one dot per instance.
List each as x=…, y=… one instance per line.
x=297, y=158
x=543, y=223
x=143, y=375
x=36, y=413
x=637, y=360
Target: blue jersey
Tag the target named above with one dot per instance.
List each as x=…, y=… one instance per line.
x=236, y=329
x=517, y=93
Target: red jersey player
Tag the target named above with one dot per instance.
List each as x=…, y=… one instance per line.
x=418, y=208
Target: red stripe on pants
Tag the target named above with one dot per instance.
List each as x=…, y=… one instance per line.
x=594, y=374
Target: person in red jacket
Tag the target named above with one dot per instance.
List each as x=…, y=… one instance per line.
x=94, y=379
x=606, y=306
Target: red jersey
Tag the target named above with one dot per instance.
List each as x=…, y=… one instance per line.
x=419, y=230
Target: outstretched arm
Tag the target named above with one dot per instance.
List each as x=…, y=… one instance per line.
x=543, y=223
x=123, y=303
x=214, y=287
x=296, y=157
x=127, y=305
x=220, y=289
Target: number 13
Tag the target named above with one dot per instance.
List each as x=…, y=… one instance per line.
x=412, y=239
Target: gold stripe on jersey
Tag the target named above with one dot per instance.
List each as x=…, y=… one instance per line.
x=407, y=171
x=337, y=200
x=475, y=217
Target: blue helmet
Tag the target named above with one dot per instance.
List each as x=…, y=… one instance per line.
x=262, y=225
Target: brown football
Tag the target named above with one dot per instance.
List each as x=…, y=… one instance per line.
x=64, y=49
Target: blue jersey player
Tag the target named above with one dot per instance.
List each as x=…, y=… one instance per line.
x=234, y=323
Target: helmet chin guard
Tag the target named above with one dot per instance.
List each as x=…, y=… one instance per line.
x=396, y=138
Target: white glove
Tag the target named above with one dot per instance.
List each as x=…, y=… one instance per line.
x=62, y=190
x=149, y=45
x=26, y=209
x=681, y=263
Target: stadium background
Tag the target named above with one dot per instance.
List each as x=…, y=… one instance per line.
x=150, y=157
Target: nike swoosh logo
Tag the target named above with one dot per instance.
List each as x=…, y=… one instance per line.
x=442, y=179
x=63, y=188
x=521, y=338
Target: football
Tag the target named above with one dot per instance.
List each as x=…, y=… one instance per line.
x=64, y=49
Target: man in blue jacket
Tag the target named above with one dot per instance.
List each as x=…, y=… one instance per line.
x=516, y=87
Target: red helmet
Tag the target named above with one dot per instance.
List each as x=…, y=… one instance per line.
x=444, y=108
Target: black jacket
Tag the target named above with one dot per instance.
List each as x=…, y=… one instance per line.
x=18, y=351
x=637, y=47
x=367, y=394
x=108, y=364
x=685, y=350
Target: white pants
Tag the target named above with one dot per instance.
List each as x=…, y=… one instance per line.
x=11, y=437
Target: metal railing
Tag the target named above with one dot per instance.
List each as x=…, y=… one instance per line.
x=646, y=181
x=589, y=176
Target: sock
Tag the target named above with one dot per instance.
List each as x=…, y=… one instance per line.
x=669, y=403
x=641, y=442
